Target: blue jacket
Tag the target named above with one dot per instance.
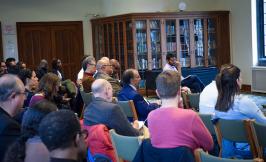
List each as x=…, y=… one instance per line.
x=142, y=107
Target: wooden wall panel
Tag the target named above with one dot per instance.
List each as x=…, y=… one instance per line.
x=48, y=40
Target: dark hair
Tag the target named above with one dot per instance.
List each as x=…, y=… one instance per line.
x=48, y=85
x=168, y=84
x=169, y=56
x=8, y=60
x=54, y=63
x=127, y=76
x=30, y=125
x=226, y=82
x=24, y=74
x=58, y=129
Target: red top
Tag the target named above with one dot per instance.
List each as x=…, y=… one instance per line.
x=174, y=127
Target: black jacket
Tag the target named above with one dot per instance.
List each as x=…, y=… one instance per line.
x=100, y=111
x=9, y=131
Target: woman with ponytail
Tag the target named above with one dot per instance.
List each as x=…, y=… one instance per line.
x=29, y=147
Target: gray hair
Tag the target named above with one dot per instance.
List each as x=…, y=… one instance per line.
x=88, y=60
x=99, y=85
x=8, y=85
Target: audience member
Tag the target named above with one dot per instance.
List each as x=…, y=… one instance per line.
x=29, y=147
x=3, y=68
x=129, y=91
x=21, y=65
x=192, y=81
x=89, y=67
x=104, y=71
x=30, y=81
x=171, y=126
x=47, y=89
x=57, y=68
x=60, y=131
x=12, y=68
x=116, y=69
x=81, y=72
x=102, y=111
x=233, y=106
x=42, y=69
x=208, y=98
x=12, y=95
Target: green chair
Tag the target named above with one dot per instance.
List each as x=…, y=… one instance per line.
x=126, y=147
x=206, y=118
x=259, y=134
x=235, y=130
x=194, y=100
x=202, y=156
x=129, y=109
x=86, y=97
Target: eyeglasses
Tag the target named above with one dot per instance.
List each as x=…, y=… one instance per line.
x=107, y=65
x=84, y=133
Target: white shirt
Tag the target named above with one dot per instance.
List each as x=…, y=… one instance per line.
x=170, y=67
x=208, y=99
x=80, y=74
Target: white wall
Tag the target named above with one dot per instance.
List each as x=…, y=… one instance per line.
x=68, y=10
x=12, y=11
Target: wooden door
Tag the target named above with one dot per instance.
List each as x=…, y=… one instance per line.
x=1, y=45
x=48, y=40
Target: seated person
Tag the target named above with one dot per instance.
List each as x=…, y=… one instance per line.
x=89, y=67
x=104, y=71
x=129, y=91
x=172, y=127
x=192, y=81
x=233, y=106
x=208, y=98
x=61, y=133
x=30, y=80
x=102, y=111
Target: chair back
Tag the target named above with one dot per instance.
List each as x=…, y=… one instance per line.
x=259, y=134
x=86, y=97
x=125, y=146
x=235, y=130
x=194, y=100
x=206, y=118
x=129, y=109
x=202, y=156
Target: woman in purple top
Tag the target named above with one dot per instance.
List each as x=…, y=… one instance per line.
x=48, y=88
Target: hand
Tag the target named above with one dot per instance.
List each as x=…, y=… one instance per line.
x=177, y=64
x=185, y=90
x=136, y=124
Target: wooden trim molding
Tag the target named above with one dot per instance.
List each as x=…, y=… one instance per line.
x=246, y=88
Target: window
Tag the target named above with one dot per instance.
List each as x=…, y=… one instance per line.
x=261, y=30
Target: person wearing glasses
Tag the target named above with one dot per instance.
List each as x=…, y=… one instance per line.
x=12, y=96
x=89, y=67
x=61, y=133
x=29, y=147
x=104, y=71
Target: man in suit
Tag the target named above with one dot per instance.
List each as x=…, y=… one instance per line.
x=102, y=111
x=104, y=71
x=12, y=96
x=129, y=91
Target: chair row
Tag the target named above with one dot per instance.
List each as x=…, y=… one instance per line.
x=242, y=131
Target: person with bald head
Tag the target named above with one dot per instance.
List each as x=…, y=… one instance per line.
x=104, y=71
x=102, y=111
x=12, y=96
